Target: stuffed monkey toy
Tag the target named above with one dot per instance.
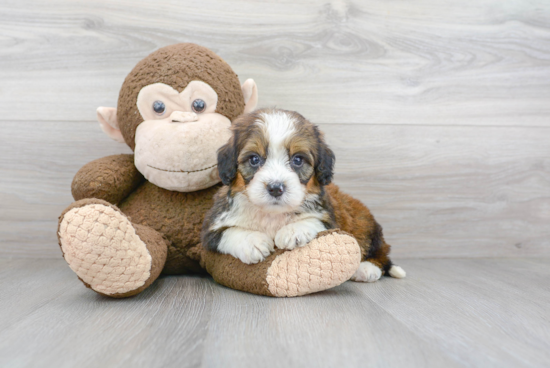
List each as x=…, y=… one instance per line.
x=138, y=216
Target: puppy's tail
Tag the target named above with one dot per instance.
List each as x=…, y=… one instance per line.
x=380, y=250
x=394, y=271
x=378, y=253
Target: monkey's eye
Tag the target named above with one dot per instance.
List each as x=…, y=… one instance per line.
x=159, y=107
x=254, y=161
x=297, y=161
x=199, y=105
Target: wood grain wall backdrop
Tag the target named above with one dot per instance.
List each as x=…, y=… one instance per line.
x=438, y=111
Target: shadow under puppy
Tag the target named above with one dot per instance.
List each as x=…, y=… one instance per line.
x=276, y=170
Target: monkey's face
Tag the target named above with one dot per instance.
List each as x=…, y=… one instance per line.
x=177, y=141
x=174, y=112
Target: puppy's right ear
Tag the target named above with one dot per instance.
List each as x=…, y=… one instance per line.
x=227, y=161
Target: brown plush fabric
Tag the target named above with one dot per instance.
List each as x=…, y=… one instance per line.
x=177, y=65
x=231, y=272
x=110, y=178
x=176, y=215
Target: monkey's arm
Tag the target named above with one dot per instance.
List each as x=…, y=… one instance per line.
x=110, y=178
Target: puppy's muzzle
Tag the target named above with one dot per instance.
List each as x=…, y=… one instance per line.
x=276, y=189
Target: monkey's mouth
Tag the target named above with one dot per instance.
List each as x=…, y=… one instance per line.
x=183, y=171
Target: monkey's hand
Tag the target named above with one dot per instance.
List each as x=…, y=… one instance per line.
x=110, y=178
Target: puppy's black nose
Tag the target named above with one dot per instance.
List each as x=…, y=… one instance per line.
x=276, y=189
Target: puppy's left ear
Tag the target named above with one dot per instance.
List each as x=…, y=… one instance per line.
x=324, y=167
x=227, y=161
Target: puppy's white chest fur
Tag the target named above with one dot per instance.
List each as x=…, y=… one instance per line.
x=253, y=232
x=245, y=215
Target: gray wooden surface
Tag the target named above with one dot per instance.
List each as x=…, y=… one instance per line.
x=446, y=313
x=439, y=111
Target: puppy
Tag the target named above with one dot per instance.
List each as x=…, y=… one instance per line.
x=276, y=170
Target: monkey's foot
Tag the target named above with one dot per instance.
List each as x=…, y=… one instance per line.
x=101, y=246
x=327, y=261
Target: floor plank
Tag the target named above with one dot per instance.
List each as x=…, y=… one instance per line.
x=23, y=288
x=164, y=325
x=447, y=312
x=336, y=328
x=399, y=62
x=484, y=313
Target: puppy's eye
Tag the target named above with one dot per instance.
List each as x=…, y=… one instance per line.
x=199, y=105
x=297, y=161
x=159, y=107
x=254, y=161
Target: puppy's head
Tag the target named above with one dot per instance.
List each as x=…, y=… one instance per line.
x=276, y=158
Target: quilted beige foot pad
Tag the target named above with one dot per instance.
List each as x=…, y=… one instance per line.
x=327, y=261
x=102, y=248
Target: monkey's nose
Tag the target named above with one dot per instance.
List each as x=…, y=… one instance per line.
x=183, y=117
x=276, y=189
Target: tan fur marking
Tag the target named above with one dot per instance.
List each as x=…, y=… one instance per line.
x=238, y=185
x=256, y=143
x=313, y=186
x=302, y=144
x=249, y=134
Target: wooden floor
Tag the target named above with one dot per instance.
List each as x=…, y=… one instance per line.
x=446, y=313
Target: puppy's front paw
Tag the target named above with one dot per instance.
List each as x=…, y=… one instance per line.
x=367, y=272
x=255, y=248
x=297, y=234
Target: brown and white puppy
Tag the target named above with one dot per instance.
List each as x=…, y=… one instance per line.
x=276, y=170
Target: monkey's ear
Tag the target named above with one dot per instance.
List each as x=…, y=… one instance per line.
x=325, y=162
x=227, y=162
x=108, y=123
x=250, y=93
